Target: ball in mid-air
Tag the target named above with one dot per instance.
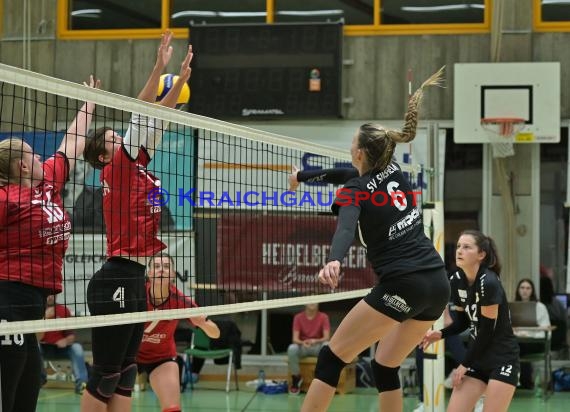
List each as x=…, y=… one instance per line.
x=166, y=83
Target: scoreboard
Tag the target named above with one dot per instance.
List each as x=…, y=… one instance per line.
x=266, y=70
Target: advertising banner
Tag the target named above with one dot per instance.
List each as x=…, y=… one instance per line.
x=283, y=253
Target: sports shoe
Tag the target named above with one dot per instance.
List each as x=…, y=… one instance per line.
x=80, y=388
x=296, y=382
x=479, y=405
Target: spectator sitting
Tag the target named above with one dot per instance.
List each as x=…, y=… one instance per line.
x=61, y=344
x=311, y=331
x=526, y=292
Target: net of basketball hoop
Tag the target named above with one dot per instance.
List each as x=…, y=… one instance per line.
x=501, y=132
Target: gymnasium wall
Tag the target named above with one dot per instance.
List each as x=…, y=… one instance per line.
x=375, y=76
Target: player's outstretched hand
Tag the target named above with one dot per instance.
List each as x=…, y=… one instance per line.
x=93, y=82
x=293, y=182
x=164, y=50
x=185, y=69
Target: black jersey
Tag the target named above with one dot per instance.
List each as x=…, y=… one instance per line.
x=485, y=291
x=389, y=223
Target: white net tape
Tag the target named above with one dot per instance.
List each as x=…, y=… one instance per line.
x=501, y=133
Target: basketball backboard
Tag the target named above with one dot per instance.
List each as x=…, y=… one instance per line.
x=530, y=91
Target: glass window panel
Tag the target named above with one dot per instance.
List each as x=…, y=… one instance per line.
x=431, y=11
x=114, y=14
x=555, y=10
x=216, y=11
x=351, y=12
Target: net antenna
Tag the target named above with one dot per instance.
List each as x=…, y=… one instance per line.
x=501, y=132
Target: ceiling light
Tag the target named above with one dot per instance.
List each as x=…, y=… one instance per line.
x=205, y=13
x=310, y=12
x=554, y=2
x=242, y=14
x=449, y=7
x=93, y=13
x=198, y=13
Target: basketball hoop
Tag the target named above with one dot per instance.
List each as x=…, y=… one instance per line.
x=501, y=132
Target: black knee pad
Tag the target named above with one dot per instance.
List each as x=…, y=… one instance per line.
x=329, y=366
x=102, y=384
x=127, y=381
x=386, y=378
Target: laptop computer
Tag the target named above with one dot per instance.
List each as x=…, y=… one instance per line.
x=523, y=313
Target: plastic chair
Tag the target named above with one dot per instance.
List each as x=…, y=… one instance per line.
x=200, y=348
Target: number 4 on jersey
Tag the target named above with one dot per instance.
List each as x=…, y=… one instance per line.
x=119, y=296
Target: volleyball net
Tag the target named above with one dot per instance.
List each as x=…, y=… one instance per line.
x=239, y=239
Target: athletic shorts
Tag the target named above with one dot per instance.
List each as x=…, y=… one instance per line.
x=20, y=362
x=508, y=372
x=118, y=287
x=149, y=367
x=420, y=295
x=20, y=301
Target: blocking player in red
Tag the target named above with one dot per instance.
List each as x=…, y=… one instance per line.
x=131, y=223
x=157, y=353
x=34, y=233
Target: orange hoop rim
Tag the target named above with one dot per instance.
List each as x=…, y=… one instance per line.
x=502, y=120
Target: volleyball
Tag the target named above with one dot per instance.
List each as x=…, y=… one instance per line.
x=165, y=84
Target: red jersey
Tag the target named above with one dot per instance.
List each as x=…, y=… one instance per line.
x=35, y=229
x=131, y=220
x=311, y=328
x=158, y=339
x=51, y=337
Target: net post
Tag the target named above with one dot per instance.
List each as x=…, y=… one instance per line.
x=264, y=327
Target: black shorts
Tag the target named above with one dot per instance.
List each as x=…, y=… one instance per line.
x=508, y=372
x=420, y=295
x=20, y=301
x=118, y=287
x=20, y=362
x=149, y=367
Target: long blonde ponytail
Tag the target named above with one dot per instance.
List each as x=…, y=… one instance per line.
x=379, y=143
